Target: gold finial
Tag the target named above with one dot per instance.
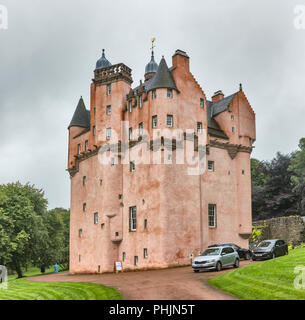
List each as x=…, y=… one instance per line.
x=152, y=45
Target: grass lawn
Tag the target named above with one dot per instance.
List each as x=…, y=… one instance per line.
x=22, y=289
x=267, y=280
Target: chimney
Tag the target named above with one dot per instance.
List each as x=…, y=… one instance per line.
x=218, y=95
x=181, y=60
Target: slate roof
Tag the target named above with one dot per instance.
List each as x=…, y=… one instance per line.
x=222, y=105
x=102, y=62
x=152, y=66
x=81, y=116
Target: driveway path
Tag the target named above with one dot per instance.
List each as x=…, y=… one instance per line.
x=166, y=284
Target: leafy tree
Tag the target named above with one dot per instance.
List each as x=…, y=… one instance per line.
x=258, y=173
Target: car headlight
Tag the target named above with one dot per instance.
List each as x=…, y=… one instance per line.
x=211, y=260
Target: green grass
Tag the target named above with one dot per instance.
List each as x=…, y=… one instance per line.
x=267, y=280
x=22, y=289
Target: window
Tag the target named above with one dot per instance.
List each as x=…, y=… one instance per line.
x=140, y=101
x=108, y=109
x=78, y=148
x=211, y=165
x=120, y=196
x=94, y=110
x=154, y=94
x=199, y=127
x=101, y=182
x=112, y=162
x=80, y=233
x=108, y=89
x=232, y=117
x=84, y=180
x=124, y=256
x=93, y=131
x=233, y=129
x=108, y=133
x=169, y=120
x=84, y=206
x=133, y=218
x=130, y=134
x=86, y=145
x=132, y=166
x=130, y=105
x=201, y=102
x=145, y=223
x=140, y=129
x=243, y=172
x=136, y=260
x=169, y=93
x=154, y=121
x=212, y=215
x=169, y=157
x=96, y=218
x=98, y=269
x=145, y=253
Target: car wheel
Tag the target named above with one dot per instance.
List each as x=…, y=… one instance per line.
x=247, y=257
x=236, y=264
x=218, y=266
x=196, y=270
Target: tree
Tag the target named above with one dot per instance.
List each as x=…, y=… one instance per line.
x=258, y=173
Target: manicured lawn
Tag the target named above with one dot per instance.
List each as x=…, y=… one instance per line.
x=22, y=289
x=267, y=280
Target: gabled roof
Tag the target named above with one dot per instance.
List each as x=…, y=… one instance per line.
x=223, y=104
x=213, y=127
x=81, y=116
x=163, y=78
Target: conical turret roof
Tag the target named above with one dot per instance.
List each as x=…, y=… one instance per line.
x=81, y=116
x=102, y=62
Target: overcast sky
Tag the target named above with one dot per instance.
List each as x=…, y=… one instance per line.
x=49, y=51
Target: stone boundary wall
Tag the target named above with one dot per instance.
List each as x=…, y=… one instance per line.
x=291, y=229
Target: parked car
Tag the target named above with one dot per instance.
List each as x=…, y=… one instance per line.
x=216, y=258
x=243, y=253
x=269, y=249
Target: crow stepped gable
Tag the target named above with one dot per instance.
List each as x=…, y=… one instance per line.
x=155, y=215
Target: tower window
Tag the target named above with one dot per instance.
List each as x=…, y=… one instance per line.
x=130, y=133
x=84, y=206
x=120, y=196
x=145, y=253
x=96, y=218
x=86, y=145
x=132, y=218
x=169, y=93
x=108, y=133
x=233, y=129
x=132, y=166
x=145, y=223
x=243, y=172
x=124, y=256
x=154, y=94
x=140, y=101
x=140, y=129
x=108, y=109
x=108, y=89
x=211, y=165
x=154, y=121
x=199, y=127
x=84, y=180
x=169, y=120
x=93, y=131
x=80, y=233
x=78, y=149
x=232, y=117
x=212, y=215
x=201, y=102
x=136, y=260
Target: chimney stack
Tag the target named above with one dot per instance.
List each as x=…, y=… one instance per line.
x=181, y=60
x=218, y=95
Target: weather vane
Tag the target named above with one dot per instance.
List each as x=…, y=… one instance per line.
x=152, y=44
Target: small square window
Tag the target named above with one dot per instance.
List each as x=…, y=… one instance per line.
x=116, y=234
x=108, y=90
x=84, y=180
x=154, y=121
x=120, y=196
x=80, y=233
x=145, y=253
x=132, y=166
x=169, y=93
x=136, y=260
x=199, y=127
x=108, y=109
x=154, y=94
x=96, y=218
x=84, y=206
x=169, y=120
x=243, y=172
x=211, y=165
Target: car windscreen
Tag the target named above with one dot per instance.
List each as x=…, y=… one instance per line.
x=210, y=252
x=264, y=244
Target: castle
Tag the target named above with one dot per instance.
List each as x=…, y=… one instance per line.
x=154, y=214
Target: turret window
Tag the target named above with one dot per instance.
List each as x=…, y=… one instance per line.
x=108, y=89
x=154, y=94
x=169, y=93
x=154, y=121
x=108, y=109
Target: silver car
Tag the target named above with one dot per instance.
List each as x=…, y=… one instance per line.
x=216, y=258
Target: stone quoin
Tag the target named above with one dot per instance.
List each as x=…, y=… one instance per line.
x=149, y=215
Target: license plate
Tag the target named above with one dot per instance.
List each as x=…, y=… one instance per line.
x=258, y=254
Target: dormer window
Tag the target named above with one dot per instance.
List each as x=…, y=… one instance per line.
x=108, y=89
x=154, y=94
x=169, y=93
